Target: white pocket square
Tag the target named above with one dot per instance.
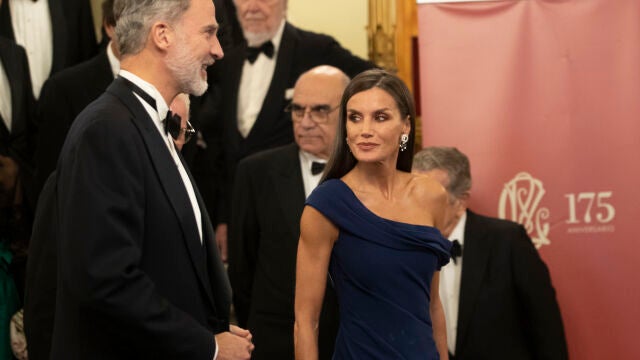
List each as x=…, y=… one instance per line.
x=288, y=94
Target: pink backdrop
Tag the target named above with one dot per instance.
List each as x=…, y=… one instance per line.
x=544, y=97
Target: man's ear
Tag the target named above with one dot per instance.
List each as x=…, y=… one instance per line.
x=161, y=35
x=462, y=203
x=109, y=30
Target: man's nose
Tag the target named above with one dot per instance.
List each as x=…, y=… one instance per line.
x=252, y=5
x=307, y=120
x=216, y=49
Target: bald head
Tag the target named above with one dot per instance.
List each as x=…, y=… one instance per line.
x=316, y=98
x=325, y=73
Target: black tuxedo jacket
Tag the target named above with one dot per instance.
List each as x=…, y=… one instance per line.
x=263, y=245
x=134, y=279
x=64, y=95
x=299, y=51
x=19, y=142
x=508, y=307
x=40, y=290
x=74, y=38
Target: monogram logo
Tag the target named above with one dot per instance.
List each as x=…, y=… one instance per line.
x=520, y=201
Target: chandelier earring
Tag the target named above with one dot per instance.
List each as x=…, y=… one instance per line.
x=404, y=139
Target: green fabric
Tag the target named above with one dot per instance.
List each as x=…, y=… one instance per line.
x=9, y=302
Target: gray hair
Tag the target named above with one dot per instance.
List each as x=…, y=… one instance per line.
x=134, y=19
x=448, y=159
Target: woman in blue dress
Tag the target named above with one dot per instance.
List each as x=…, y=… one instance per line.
x=373, y=226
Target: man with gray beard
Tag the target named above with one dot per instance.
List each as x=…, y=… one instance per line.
x=139, y=275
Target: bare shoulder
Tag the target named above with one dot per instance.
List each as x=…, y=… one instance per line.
x=426, y=190
x=314, y=226
x=425, y=200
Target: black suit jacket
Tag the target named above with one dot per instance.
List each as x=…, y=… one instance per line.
x=263, y=245
x=74, y=38
x=134, y=279
x=63, y=97
x=299, y=51
x=40, y=291
x=508, y=307
x=19, y=142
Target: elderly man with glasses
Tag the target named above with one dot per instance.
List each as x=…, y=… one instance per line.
x=248, y=93
x=268, y=198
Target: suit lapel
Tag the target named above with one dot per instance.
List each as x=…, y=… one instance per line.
x=13, y=72
x=231, y=75
x=235, y=75
x=59, y=29
x=217, y=272
x=169, y=178
x=290, y=188
x=475, y=257
x=6, y=26
x=4, y=132
x=274, y=101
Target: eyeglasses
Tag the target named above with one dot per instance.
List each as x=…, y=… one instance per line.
x=188, y=132
x=319, y=114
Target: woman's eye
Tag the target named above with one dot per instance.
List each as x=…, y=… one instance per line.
x=354, y=117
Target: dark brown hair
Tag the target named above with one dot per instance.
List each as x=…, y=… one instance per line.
x=342, y=160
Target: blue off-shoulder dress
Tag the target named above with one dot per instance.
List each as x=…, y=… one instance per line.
x=381, y=270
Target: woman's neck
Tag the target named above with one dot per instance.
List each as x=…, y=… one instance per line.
x=374, y=177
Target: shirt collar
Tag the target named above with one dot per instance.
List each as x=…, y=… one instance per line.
x=458, y=231
x=307, y=158
x=113, y=60
x=161, y=106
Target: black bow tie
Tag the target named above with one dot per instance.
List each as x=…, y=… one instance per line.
x=317, y=167
x=253, y=52
x=172, y=124
x=456, y=250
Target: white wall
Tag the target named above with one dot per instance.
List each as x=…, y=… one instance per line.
x=345, y=20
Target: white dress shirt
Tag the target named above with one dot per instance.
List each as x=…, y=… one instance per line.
x=254, y=84
x=5, y=98
x=450, y=286
x=33, y=30
x=310, y=180
x=158, y=116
